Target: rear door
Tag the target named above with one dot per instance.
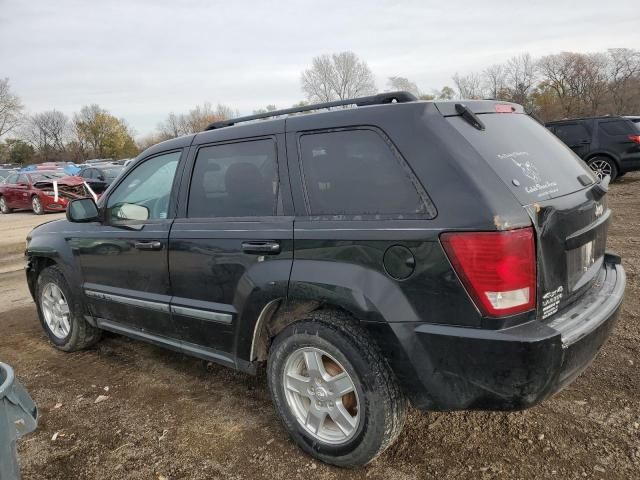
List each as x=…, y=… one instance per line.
x=231, y=251
x=22, y=192
x=559, y=193
x=576, y=135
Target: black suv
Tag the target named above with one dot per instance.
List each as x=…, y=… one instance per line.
x=448, y=254
x=609, y=145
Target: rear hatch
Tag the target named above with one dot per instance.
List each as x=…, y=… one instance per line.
x=567, y=208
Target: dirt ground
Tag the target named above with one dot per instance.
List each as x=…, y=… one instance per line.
x=168, y=416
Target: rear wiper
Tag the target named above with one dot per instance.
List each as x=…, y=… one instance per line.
x=469, y=116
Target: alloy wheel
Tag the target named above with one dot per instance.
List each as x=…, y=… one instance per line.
x=321, y=395
x=55, y=310
x=602, y=168
x=36, y=205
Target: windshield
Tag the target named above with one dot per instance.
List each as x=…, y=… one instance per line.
x=529, y=159
x=112, y=173
x=41, y=176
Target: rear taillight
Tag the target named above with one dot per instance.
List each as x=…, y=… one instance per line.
x=498, y=269
x=634, y=138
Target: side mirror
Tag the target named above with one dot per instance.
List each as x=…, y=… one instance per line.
x=130, y=211
x=82, y=210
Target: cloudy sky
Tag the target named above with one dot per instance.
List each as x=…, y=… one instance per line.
x=142, y=59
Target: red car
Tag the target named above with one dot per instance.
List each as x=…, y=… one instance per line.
x=41, y=191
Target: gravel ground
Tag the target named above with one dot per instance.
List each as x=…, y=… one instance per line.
x=168, y=416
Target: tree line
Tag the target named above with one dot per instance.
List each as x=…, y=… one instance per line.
x=552, y=87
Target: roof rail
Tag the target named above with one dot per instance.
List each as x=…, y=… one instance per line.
x=379, y=99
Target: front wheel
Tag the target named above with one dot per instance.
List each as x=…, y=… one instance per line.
x=36, y=205
x=333, y=390
x=61, y=313
x=603, y=166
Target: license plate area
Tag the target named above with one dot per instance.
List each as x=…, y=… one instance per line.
x=585, y=261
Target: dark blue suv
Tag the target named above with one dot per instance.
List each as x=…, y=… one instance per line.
x=609, y=145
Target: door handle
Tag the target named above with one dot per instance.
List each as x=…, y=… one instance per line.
x=261, y=247
x=154, y=245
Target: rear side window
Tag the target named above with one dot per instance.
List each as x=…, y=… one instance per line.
x=235, y=180
x=617, y=127
x=355, y=172
x=572, y=133
x=529, y=159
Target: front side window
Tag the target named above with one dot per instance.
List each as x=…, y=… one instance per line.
x=144, y=194
x=234, y=180
x=355, y=172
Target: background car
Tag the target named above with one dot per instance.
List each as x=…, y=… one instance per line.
x=635, y=119
x=99, y=177
x=609, y=145
x=36, y=191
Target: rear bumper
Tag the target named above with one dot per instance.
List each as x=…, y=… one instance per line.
x=453, y=368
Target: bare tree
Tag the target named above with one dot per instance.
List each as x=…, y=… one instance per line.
x=173, y=126
x=49, y=132
x=520, y=76
x=195, y=121
x=494, y=81
x=337, y=77
x=624, y=79
x=402, y=83
x=469, y=86
x=10, y=108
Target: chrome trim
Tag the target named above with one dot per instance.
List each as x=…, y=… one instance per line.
x=263, y=314
x=203, y=314
x=136, y=302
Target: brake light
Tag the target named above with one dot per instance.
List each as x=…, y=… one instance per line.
x=498, y=269
x=501, y=108
x=635, y=138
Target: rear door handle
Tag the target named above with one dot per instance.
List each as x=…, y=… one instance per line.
x=154, y=245
x=261, y=247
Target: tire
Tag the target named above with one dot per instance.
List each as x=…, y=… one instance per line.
x=4, y=208
x=376, y=407
x=36, y=205
x=78, y=334
x=603, y=166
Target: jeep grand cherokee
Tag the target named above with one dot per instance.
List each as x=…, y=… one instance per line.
x=448, y=254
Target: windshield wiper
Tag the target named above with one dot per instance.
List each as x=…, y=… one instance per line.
x=469, y=116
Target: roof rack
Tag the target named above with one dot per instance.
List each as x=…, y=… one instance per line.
x=379, y=99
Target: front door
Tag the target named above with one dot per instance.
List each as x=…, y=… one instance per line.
x=232, y=251
x=124, y=260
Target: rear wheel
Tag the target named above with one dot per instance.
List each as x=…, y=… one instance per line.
x=36, y=205
x=603, y=166
x=4, y=207
x=61, y=313
x=333, y=390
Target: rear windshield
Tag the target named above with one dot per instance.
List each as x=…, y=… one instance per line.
x=528, y=158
